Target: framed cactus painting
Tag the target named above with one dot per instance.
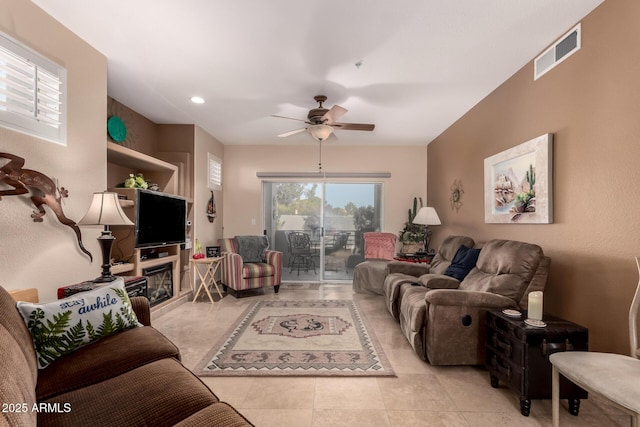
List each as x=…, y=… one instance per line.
x=518, y=184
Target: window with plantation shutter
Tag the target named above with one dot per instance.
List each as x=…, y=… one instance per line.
x=215, y=172
x=32, y=92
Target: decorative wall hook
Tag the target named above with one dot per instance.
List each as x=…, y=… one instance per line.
x=43, y=192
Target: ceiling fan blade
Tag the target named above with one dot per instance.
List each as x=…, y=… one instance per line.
x=289, y=118
x=333, y=114
x=293, y=132
x=354, y=126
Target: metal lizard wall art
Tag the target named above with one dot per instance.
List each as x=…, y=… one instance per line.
x=43, y=192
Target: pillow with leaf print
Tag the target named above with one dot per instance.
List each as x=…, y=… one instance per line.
x=62, y=326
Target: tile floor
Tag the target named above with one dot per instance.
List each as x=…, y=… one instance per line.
x=420, y=395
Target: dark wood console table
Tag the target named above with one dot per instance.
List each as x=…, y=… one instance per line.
x=518, y=355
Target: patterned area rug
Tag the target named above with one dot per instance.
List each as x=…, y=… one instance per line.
x=298, y=338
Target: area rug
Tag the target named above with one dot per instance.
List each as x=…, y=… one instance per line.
x=298, y=338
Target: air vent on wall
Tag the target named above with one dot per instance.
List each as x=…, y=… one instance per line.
x=558, y=52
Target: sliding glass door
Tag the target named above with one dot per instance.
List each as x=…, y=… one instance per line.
x=294, y=207
x=333, y=216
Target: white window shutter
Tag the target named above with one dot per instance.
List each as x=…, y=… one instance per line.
x=32, y=92
x=215, y=172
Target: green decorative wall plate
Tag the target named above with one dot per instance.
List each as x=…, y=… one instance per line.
x=116, y=128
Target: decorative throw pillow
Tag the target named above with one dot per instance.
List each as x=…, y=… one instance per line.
x=252, y=248
x=62, y=326
x=463, y=262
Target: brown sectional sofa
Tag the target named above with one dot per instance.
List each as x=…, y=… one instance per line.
x=444, y=319
x=132, y=378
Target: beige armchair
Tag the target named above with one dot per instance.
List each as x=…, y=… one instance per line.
x=444, y=319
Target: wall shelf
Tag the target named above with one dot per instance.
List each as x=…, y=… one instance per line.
x=122, y=268
x=122, y=161
x=126, y=203
x=127, y=157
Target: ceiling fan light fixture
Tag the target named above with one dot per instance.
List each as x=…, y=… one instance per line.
x=320, y=132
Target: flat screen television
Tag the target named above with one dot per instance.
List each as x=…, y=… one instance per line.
x=161, y=219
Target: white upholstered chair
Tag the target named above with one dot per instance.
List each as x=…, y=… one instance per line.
x=613, y=376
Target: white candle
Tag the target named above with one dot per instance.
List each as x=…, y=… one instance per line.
x=535, y=305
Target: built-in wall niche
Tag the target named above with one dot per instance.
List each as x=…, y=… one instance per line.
x=122, y=161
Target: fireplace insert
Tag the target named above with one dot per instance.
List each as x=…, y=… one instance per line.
x=159, y=283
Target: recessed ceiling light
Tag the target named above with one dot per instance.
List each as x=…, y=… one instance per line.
x=197, y=100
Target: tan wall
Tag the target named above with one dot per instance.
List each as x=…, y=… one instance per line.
x=243, y=190
x=207, y=232
x=591, y=104
x=142, y=136
x=142, y=133
x=45, y=255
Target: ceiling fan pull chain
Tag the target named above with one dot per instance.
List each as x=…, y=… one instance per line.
x=320, y=157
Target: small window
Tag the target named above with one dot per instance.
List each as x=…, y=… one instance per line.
x=32, y=92
x=215, y=172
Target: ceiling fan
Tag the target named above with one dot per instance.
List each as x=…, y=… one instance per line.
x=322, y=121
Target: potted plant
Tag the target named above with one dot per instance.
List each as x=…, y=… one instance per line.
x=412, y=235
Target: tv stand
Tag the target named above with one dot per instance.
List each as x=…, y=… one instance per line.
x=140, y=259
x=154, y=255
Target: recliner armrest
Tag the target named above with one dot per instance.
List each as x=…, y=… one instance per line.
x=410, y=268
x=438, y=281
x=141, y=306
x=456, y=297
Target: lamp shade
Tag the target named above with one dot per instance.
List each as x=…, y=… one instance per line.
x=427, y=216
x=105, y=210
x=320, y=132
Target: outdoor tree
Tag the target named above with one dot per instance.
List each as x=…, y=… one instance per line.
x=350, y=208
x=287, y=192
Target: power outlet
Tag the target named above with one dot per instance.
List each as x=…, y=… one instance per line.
x=253, y=221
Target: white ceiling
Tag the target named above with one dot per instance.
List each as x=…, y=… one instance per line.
x=424, y=62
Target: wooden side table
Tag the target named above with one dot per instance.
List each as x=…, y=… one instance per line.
x=518, y=355
x=207, y=274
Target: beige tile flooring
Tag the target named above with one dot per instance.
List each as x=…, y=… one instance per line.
x=420, y=395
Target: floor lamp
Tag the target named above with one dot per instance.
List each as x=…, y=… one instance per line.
x=427, y=216
x=105, y=210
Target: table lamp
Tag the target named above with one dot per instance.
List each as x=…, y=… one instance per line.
x=427, y=216
x=105, y=210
